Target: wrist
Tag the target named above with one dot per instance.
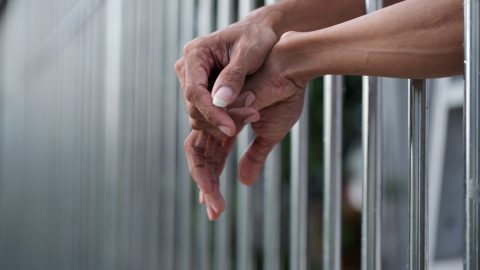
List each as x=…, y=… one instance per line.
x=271, y=16
x=302, y=56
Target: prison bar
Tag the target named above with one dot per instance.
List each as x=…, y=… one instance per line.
x=418, y=182
x=472, y=125
x=184, y=251
x=332, y=196
x=299, y=190
x=223, y=231
x=372, y=165
x=272, y=204
x=204, y=227
x=245, y=218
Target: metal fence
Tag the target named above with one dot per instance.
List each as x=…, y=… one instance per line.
x=92, y=170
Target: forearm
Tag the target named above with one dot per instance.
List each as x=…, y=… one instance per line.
x=309, y=15
x=416, y=39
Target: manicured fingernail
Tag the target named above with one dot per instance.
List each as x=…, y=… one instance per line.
x=226, y=130
x=251, y=119
x=223, y=96
x=249, y=100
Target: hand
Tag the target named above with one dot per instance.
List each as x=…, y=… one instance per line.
x=220, y=62
x=206, y=157
x=279, y=101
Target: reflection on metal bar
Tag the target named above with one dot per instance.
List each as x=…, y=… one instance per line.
x=472, y=125
x=183, y=257
x=244, y=194
x=418, y=184
x=332, y=130
x=170, y=135
x=223, y=231
x=272, y=202
x=113, y=41
x=299, y=192
x=372, y=173
x=372, y=170
x=203, y=232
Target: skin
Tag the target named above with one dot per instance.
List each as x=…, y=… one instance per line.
x=423, y=38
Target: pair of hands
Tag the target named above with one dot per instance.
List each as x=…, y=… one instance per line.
x=232, y=78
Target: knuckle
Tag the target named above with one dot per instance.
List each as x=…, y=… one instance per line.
x=178, y=65
x=190, y=94
x=234, y=74
x=195, y=124
x=192, y=111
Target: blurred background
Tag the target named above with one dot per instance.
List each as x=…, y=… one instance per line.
x=92, y=170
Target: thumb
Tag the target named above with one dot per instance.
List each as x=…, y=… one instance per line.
x=228, y=84
x=253, y=159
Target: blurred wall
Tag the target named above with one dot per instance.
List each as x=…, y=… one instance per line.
x=89, y=135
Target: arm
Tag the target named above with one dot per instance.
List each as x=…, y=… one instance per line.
x=240, y=49
x=416, y=39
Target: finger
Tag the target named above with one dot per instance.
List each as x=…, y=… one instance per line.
x=194, y=150
x=230, y=81
x=180, y=70
x=204, y=126
x=213, y=162
x=245, y=99
x=196, y=92
x=253, y=159
x=242, y=116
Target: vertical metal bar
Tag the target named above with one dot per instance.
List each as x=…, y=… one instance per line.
x=223, y=232
x=332, y=139
x=244, y=194
x=113, y=50
x=272, y=202
x=205, y=21
x=372, y=186
x=170, y=142
x=184, y=261
x=372, y=172
x=299, y=192
x=418, y=184
x=472, y=125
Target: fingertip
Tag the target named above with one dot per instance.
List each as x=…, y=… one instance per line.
x=248, y=172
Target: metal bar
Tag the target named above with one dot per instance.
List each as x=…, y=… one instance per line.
x=113, y=38
x=418, y=183
x=244, y=193
x=472, y=125
x=183, y=261
x=299, y=192
x=203, y=255
x=223, y=231
x=272, y=202
x=372, y=172
x=332, y=130
x=170, y=139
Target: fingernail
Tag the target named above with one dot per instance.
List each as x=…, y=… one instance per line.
x=210, y=213
x=223, y=96
x=249, y=100
x=251, y=119
x=200, y=197
x=226, y=130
